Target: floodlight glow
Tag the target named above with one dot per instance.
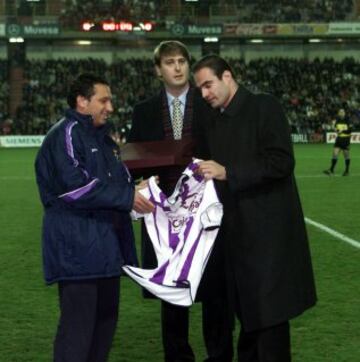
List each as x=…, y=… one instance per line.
x=84, y=42
x=211, y=39
x=16, y=40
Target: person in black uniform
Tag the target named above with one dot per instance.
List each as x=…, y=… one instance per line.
x=174, y=113
x=342, y=143
x=251, y=159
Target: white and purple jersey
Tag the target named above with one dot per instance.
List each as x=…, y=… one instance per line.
x=182, y=229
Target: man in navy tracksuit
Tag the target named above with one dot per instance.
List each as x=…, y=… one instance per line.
x=87, y=194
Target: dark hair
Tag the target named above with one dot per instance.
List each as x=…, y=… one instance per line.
x=217, y=64
x=83, y=86
x=170, y=47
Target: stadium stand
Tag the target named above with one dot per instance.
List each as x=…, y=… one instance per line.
x=310, y=91
x=72, y=12
x=5, y=122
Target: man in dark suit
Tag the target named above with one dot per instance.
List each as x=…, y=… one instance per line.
x=174, y=113
x=250, y=157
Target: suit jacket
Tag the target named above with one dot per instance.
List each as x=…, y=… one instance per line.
x=263, y=231
x=148, y=125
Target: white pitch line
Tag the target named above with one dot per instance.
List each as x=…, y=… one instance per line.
x=333, y=233
x=17, y=178
x=327, y=176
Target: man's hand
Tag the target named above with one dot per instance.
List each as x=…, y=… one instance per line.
x=141, y=185
x=141, y=204
x=212, y=170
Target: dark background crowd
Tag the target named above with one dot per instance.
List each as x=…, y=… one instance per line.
x=75, y=12
x=289, y=11
x=311, y=92
x=71, y=13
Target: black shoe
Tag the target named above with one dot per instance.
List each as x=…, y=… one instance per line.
x=346, y=173
x=328, y=172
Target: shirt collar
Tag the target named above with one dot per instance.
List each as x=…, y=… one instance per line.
x=181, y=97
x=87, y=121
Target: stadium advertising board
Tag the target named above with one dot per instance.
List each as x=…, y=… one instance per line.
x=47, y=30
x=2, y=29
x=344, y=28
x=299, y=138
x=243, y=29
x=297, y=29
x=180, y=29
x=331, y=136
x=21, y=141
x=302, y=29
x=307, y=137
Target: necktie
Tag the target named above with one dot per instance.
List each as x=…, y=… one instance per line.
x=177, y=119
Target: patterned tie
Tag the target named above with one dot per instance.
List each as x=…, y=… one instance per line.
x=177, y=119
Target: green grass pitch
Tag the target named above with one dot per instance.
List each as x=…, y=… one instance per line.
x=327, y=333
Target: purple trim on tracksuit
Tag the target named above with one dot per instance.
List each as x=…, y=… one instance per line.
x=76, y=194
x=70, y=147
x=68, y=141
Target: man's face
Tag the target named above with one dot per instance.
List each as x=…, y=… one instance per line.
x=341, y=113
x=99, y=106
x=173, y=70
x=214, y=90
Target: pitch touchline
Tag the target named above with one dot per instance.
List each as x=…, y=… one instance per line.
x=333, y=233
x=326, y=176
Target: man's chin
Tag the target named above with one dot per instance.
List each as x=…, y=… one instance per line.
x=100, y=122
x=214, y=104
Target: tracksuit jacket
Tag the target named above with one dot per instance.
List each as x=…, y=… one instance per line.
x=87, y=194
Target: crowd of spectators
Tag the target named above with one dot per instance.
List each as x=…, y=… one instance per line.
x=5, y=123
x=294, y=11
x=247, y=11
x=311, y=92
x=44, y=92
x=77, y=11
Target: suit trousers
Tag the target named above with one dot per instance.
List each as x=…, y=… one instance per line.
x=88, y=318
x=217, y=326
x=270, y=344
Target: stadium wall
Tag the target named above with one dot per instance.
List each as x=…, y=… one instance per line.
x=249, y=52
x=3, y=50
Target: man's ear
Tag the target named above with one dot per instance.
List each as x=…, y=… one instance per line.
x=82, y=102
x=226, y=76
x=158, y=71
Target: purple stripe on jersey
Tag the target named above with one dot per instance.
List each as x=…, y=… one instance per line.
x=173, y=238
x=159, y=276
x=188, y=226
x=193, y=166
x=76, y=194
x=198, y=177
x=151, y=199
x=188, y=262
x=68, y=141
